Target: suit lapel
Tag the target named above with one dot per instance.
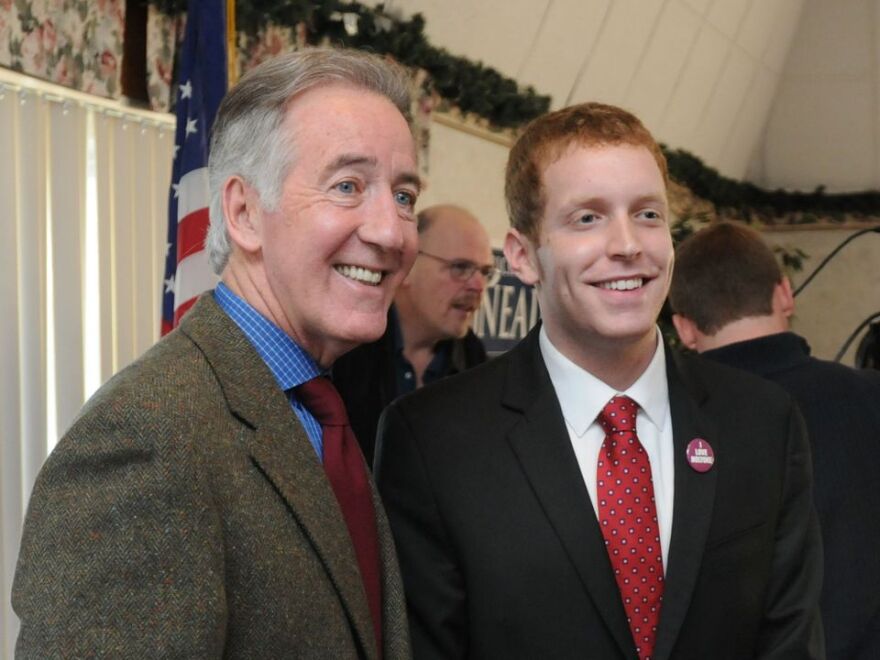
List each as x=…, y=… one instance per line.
x=541, y=443
x=279, y=446
x=694, y=501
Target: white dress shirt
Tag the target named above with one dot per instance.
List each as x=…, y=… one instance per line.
x=582, y=396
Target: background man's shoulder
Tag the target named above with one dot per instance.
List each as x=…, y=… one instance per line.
x=723, y=382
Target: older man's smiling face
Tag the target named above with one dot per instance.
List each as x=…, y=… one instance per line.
x=343, y=235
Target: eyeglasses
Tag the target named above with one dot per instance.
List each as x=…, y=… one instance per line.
x=462, y=269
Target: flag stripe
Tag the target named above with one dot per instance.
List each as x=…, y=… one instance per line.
x=201, y=85
x=192, y=192
x=194, y=277
x=191, y=232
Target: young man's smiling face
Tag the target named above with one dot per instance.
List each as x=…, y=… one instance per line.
x=604, y=257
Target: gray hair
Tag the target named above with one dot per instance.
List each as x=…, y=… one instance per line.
x=247, y=139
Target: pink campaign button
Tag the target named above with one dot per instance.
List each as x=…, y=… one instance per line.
x=700, y=455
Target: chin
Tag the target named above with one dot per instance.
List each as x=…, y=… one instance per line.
x=458, y=332
x=365, y=332
x=634, y=336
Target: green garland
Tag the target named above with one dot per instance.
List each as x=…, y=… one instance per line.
x=750, y=202
x=482, y=91
x=471, y=87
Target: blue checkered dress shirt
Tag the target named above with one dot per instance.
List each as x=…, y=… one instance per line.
x=289, y=364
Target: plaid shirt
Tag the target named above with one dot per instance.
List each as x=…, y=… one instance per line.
x=288, y=362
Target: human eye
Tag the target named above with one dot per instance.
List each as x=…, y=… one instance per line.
x=651, y=214
x=405, y=198
x=346, y=187
x=586, y=218
x=461, y=269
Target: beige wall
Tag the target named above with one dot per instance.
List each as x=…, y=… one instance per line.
x=702, y=74
x=468, y=170
x=845, y=293
x=824, y=125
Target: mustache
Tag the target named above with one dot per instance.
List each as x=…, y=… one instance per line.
x=468, y=300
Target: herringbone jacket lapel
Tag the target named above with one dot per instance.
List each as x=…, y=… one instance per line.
x=279, y=446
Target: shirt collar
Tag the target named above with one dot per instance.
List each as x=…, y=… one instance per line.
x=288, y=362
x=582, y=396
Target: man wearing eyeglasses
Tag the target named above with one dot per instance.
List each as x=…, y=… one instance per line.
x=429, y=332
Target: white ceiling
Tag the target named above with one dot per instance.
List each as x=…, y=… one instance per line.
x=783, y=92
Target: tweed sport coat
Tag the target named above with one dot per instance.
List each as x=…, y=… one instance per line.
x=185, y=514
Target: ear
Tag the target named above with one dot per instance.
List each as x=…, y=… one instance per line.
x=243, y=214
x=687, y=330
x=783, y=298
x=521, y=257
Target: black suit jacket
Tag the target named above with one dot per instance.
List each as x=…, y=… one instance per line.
x=501, y=552
x=366, y=378
x=841, y=407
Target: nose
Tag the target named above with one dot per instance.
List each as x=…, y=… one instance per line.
x=623, y=241
x=384, y=225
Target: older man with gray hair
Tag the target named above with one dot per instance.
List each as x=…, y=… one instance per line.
x=210, y=500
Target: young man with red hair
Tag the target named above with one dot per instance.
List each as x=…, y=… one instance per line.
x=592, y=494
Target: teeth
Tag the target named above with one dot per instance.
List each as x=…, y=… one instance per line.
x=622, y=285
x=359, y=274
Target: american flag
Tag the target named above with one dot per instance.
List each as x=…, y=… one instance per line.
x=201, y=85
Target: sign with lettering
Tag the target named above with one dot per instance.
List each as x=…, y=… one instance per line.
x=508, y=311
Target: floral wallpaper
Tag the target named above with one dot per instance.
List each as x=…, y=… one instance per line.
x=165, y=33
x=77, y=43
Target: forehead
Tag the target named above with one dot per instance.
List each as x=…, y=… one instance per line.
x=602, y=169
x=332, y=117
x=456, y=237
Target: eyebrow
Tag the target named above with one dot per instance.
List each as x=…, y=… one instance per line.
x=347, y=160
x=411, y=178
x=597, y=201
x=656, y=198
x=354, y=160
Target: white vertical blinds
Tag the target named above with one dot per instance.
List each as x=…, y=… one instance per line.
x=65, y=179
x=44, y=176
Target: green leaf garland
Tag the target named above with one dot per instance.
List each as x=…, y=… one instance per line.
x=479, y=90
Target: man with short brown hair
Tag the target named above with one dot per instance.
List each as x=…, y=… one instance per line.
x=591, y=494
x=726, y=278
x=733, y=304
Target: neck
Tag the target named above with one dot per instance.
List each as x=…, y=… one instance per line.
x=618, y=364
x=418, y=342
x=745, y=329
x=251, y=285
x=418, y=345
x=417, y=337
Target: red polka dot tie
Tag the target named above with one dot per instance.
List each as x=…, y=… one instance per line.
x=628, y=518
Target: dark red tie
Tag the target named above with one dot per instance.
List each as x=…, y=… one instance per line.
x=628, y=518
x=344, y=465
